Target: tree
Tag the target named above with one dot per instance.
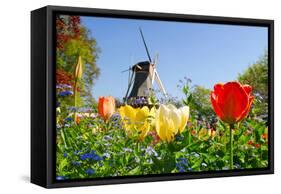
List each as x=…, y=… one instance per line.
x=74, y=40
x=201, y=103
x=256, y=75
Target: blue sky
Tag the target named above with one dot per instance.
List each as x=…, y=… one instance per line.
x=205, y=53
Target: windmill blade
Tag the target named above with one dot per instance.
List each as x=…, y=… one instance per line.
x=159, y=82
x=125, y=70
x=147, y=52
x=129, y=76
x=139, y=67
x=130, y=83
x=152, y=75
x=130, y=68
x=155, y=61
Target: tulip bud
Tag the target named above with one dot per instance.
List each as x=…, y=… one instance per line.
x=78, y=69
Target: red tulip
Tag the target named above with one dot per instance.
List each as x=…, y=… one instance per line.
x=106, y=107
x=232, y=101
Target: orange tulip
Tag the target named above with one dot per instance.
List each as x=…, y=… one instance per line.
x=106, y=107
x=78, y=119
x=232, y=101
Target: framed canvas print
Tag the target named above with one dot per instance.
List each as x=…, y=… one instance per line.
x=125, y=96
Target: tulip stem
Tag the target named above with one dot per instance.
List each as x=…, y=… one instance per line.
x=75, y=99
x=231, y=127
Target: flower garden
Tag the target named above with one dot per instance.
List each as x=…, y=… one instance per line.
x=140, y=141
x=107, y=138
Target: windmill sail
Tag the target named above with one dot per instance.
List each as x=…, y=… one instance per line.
x=130, y=82
x=153, y=69
x=159, y=82
x=148, y=55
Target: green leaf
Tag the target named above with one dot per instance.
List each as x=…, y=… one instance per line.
x=185, y=89
x=62, y=164
x=135, y=171
x=189, y=99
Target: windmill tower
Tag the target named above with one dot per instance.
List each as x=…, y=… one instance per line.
x=142, y=76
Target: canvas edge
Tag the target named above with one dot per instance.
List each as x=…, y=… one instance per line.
x=38, y=85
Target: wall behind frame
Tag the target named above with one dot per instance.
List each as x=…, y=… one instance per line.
x=15, y=95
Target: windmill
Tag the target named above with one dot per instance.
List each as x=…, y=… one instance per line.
x=142, y=76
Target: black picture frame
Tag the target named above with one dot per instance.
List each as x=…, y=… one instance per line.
x=43, y=129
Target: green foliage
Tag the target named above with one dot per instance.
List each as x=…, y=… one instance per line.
x=152, y=99
x=82, y=45
x=198, y=99
x=201, y=104
x=186, y=91
x=94, y=148
x=257, y=76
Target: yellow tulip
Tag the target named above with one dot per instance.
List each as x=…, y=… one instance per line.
x=184, y=111
x=135, y=119
x=127, y=114
x=170, y=120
